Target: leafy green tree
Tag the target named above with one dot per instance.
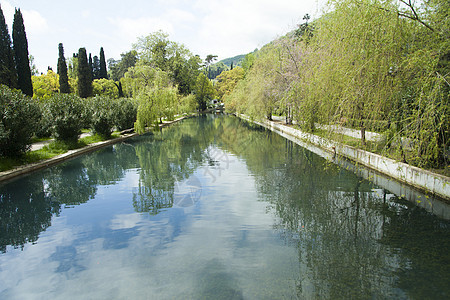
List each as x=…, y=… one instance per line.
x=84, y=75
x=20, y=45
x=155, y=102
x=96, y=67
x=45, y=85
x=204, y=91
x=8, y=73
x=227, y=81
x=105, y=87
x=62, y=72
x=119, y=68
x=103, y=73
x=19, y=118
x=157, y=51
x=72, y=68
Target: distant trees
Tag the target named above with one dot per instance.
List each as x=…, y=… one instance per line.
x=8, y=74
x=20, y=45
x=62, y=72
x=118, y=68
x=84, y=75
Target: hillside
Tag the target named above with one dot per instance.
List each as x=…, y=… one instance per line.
x=236, y=60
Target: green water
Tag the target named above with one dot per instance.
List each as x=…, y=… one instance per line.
x=214, y=208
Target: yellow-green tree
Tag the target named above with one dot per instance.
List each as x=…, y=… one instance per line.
x=45, y=85
x=227, y=81
x=105, y=87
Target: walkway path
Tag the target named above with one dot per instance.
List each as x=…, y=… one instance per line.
x=40, y=145
x=355, y=133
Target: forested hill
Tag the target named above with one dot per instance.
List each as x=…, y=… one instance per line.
x=236, y=60
x=225, y=65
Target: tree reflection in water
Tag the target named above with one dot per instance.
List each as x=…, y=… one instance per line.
x=354, y=240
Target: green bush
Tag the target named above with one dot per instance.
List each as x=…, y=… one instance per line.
x=126, y=113
x=66, y=114
x=43, y=129
x=104, y=113
x=19, y=118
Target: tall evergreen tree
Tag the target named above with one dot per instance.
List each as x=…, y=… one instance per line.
x=96, y=67
x=84, y=75
x=62, y=71
x=20, y=45
x=91, y=65
x=8, y=74
x=103, y=72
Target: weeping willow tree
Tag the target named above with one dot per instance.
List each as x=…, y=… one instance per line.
x=365, y=64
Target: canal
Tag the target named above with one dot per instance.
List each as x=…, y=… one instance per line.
x=214, y=207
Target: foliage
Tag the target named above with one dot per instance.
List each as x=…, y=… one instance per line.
x=62, y=71
x=103, y=73
x=45, y=86
x=126, y=113
x=215, y=70
x=104, y=112
x=19, y=117
x=364, y=62
x=157, y=51
x=235, y=61
x=204, y=91
x=105, y=87
x=188, y=104
x=118, y=69
x=8, y=73
x=153, y=104
x=20, y=45
x=84, y=75
x=66, y=115
x=227, y=81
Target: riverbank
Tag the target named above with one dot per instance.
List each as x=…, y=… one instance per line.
x=29, y=168
x=426, y=181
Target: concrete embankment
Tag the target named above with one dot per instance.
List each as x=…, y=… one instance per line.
x=26, y=169
x=428, y=182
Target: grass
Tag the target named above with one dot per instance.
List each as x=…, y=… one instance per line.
x=53, y=149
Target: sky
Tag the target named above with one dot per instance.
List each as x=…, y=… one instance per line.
x=220, y=27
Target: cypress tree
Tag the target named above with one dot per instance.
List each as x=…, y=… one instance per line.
x=20, y=45
x=62, y=71
x=103, y=72
x=84, y=75
x=96, y=67
x=8, y=74
x=91, y=65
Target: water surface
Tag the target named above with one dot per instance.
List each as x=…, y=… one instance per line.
x=214, y=208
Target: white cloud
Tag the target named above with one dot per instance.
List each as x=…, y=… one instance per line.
x=34, y=22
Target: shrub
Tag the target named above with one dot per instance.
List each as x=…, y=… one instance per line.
x=104, y=113
x=19, y=118
x=66, y=114
x=126, y=113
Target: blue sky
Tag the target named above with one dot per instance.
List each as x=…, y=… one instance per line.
x=222, y=27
